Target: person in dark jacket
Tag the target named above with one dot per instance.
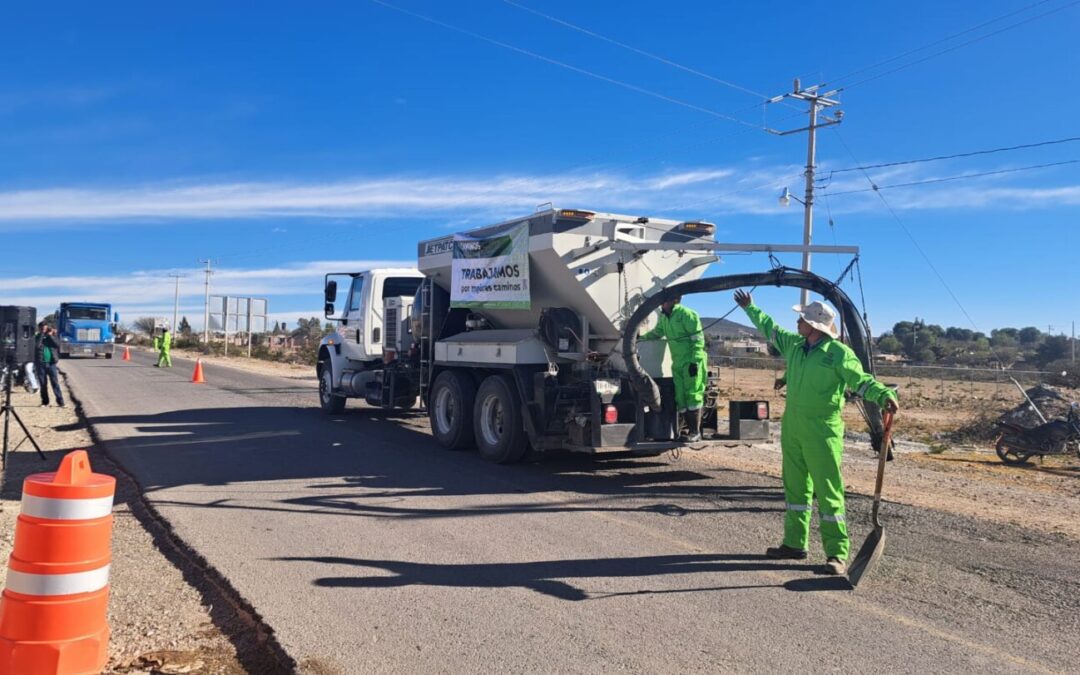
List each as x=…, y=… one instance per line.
x=46, y=355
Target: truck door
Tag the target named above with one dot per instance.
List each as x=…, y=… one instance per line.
x=353, y=323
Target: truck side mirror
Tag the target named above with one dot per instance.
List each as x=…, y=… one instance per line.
x=116, y=317
x=331, y=293
x=328, y=309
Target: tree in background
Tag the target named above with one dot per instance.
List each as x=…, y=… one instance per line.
x=1053, y=348
x=890, y=345
x=144, y=324
x=50, y=319
x=184, y=328
x=1029, y=336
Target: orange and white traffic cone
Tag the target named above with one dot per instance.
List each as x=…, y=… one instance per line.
x=53, y=610
x=127, y=354
x=197, y=376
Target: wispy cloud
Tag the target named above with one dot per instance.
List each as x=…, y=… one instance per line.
x=292, y=290
x=59, y=96
x=699, y=191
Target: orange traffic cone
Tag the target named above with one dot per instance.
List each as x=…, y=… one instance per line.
x=53, y=609
x=127, y=353
x=197, y=376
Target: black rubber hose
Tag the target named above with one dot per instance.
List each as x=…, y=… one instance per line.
x=858, y=334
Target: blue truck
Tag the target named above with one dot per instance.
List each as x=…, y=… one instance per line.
x=86, y=329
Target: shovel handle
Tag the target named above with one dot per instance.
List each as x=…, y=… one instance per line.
x=883, y=456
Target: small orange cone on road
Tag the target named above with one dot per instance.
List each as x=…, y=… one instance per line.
x=127, y=353
x=197, y=376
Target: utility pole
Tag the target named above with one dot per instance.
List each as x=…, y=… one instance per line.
x=176, y=301
x=206, y=304
x=817, y=103
x=1072, y=343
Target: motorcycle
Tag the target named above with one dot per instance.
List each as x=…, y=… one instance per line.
x=1017, y=444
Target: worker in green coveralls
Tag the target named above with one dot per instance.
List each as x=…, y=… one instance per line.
x=165, y=344
x=681, y=327
x=819, y=368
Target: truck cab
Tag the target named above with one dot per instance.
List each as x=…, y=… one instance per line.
x=373, y=310
x=86, y=329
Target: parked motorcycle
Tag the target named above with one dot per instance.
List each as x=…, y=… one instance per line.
x=1017, y=444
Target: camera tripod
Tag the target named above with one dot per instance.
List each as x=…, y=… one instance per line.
x=8, y=411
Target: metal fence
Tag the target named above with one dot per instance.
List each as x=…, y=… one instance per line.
x=944, y=382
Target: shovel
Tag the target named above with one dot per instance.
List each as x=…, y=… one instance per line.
x=872, y=548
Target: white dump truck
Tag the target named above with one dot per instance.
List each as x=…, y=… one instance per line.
x=510, y=335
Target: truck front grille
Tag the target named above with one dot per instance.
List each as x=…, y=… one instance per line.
x=88, y=335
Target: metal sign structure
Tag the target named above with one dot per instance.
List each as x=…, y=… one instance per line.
x=238, y=315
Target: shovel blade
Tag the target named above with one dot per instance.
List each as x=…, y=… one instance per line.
x=867, y=557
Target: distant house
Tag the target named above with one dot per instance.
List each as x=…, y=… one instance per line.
x=891, y=358
x=747, y=346
x=285, y=343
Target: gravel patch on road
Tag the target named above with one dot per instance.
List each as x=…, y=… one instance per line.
x=160, y=622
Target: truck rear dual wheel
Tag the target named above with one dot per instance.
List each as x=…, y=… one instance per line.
x=450, y=407
x=497, y=422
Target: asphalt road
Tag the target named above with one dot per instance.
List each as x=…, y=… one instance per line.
x=367, y=548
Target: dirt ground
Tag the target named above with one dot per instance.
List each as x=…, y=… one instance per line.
x=932, y=469
x=160, y=623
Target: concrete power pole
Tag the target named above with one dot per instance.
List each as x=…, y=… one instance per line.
x=206, y=303
x=817, y=103
x=176, y=301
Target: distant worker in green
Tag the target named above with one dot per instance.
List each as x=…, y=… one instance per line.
x=164, y=345
x=819, y=368
x=681, y=327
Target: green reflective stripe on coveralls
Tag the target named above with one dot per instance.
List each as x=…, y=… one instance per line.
x=812, y=432
x=686, y=339
x=165, y=345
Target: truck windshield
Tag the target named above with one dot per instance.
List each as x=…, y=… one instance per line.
x=88, y=313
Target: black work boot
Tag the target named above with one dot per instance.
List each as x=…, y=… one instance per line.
x=693, y=419
x=785, y=552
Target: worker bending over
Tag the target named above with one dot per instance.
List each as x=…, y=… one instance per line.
x=681, y=327
x=819, y=367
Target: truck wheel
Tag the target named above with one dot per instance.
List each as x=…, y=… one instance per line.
x=452, y=395
x=108, y=355
x=500, y=433
x=328, y=401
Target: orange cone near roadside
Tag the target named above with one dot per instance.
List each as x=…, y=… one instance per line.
x=127, y=353
x=197, y=376
x=53, y=609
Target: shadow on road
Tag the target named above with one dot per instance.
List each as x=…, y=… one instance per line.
x=549, y=577
x=368, y=464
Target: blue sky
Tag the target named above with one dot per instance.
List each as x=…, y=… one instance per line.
x=284, y=140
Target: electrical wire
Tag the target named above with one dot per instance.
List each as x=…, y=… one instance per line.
x=938, y=42
x=876, y=188
x=914, y=241
x=636, y=50
x=959, y=155
x=961, y=45
x=567, y=66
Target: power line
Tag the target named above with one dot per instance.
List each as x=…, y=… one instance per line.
x=561, y=64
x=914, y=241
x=876, y=188
x=938, y=42
x=960, y=155
x=961, y=45
x=636, y=50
